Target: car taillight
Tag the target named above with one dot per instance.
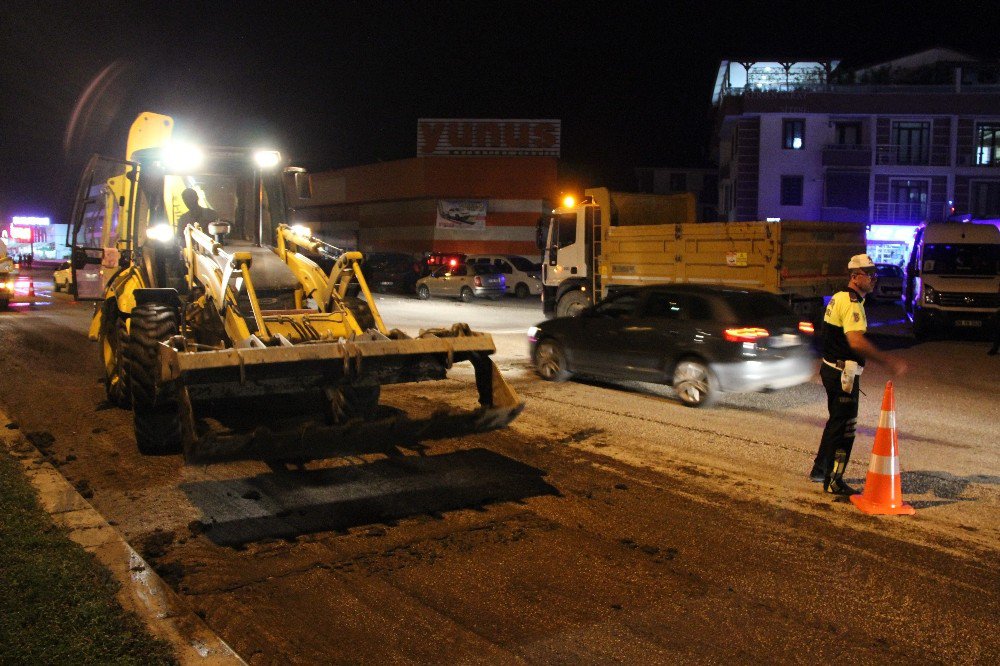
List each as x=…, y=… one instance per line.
x=748, y=334
x=807, y=327
x=478, y=281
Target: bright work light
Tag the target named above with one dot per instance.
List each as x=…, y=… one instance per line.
x=160, y=232
x=569, y=201
x=181, y=157
x=302, y=230
x=267, y=158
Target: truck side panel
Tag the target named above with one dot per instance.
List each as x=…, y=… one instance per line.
x=800, y=259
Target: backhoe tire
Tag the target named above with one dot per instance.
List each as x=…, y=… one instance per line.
x=155, y=404
x=113, y=339
x=572, y=304
x=158, y=430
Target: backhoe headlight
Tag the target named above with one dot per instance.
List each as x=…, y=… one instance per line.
x=160, y=232
x=266, y=159
x=302, y=230
x=182, y=157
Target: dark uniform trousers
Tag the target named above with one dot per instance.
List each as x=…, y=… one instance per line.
x=843, y=408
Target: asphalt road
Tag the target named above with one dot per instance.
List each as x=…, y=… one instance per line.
x=608, y=523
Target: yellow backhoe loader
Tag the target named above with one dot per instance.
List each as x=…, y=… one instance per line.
x=207, y=293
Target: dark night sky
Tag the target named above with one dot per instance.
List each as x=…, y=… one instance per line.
x=337, y=84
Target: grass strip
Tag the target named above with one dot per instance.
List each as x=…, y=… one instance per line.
x=57, y=602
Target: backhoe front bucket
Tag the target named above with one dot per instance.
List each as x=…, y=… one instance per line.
x=262, y=371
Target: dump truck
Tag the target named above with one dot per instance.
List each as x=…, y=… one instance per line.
x=216, y=296
x=650, y=239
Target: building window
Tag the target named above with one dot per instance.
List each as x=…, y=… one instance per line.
x=909, y=200
x=848, y=134
x=678, y=182
x=791, y=190
x=911, y=142
x=794, y=133
x=988, y=144
x=985, y=202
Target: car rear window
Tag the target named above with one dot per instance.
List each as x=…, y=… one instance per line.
x=748, y=306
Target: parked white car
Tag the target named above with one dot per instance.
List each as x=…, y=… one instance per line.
x=523, y=277
x=62, y=278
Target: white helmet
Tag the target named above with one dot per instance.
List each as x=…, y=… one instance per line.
x=860, y=262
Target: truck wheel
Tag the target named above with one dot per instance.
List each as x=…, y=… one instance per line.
x=155, y=404
x=695, y=383
x=572, y=304
x=550, y=361
x=113, y=338
x=423, y=293
x=521, y=290
x=466, y=295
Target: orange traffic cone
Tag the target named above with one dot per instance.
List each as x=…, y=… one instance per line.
x=883, y=491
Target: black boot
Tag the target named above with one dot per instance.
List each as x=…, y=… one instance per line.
x=818, y=474
x=835, y=483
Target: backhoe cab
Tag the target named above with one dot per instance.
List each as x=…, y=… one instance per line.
x=224, y=299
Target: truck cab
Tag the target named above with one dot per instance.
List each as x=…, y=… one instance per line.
x=567, y=236
x=953, y=277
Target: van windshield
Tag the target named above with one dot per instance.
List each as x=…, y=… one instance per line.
x=962, y=259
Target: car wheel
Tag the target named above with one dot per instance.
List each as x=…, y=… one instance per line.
x=695, y=383
x=521, y=290
x=572, y=304
x=423, y=293
x=466, y=295
x=550, y=361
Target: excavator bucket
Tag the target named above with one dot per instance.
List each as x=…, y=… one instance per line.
x=257, y=371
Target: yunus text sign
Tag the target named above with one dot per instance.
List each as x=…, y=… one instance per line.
x=441, y=136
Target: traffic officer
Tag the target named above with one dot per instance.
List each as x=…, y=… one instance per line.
x=845, y=350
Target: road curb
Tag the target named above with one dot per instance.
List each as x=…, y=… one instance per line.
x=142, y=591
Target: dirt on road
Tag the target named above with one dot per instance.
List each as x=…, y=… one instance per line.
x=527, y=544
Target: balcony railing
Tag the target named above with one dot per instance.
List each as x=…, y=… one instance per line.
x=900, y=212
x=861, y=89
x=841, y=154
x=891, y=154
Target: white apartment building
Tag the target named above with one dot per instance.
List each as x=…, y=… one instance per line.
x=894, y=145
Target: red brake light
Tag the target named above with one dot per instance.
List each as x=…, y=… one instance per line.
x=453, y=262
x=807, y=327
x=748, y=334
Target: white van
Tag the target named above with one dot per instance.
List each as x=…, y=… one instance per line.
x=523, y=277
x=953, y=277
